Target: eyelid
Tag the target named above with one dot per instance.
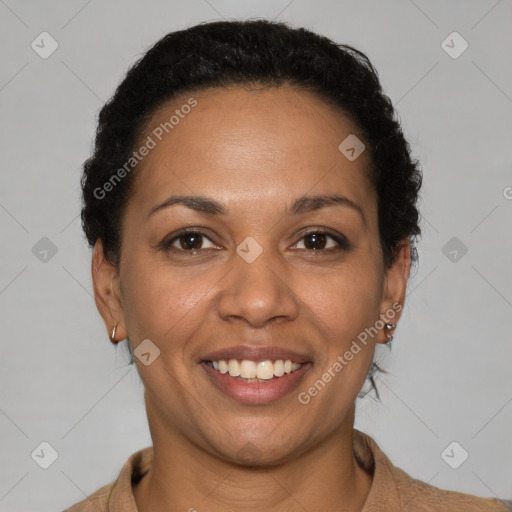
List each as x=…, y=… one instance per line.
x=167, y=242
x=203, y=238
x=340, y=239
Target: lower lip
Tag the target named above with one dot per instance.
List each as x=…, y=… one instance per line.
x=256, y=392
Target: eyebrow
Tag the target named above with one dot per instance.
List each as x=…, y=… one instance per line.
x=303, y=204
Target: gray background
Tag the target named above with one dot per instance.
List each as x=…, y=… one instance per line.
x=63, y=382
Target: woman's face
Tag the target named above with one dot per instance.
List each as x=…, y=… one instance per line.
x=268, y=272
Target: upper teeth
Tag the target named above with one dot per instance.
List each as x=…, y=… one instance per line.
x=251, y=369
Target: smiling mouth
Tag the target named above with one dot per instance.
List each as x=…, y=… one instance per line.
x=245, y=370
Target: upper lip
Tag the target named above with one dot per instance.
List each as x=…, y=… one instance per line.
x=255, y=353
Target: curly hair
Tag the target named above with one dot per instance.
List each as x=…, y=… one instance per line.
x=266, y=54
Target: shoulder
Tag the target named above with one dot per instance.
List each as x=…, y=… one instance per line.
x=417, y=496
x=118, y=495
x=96, y=502
x=392, y=487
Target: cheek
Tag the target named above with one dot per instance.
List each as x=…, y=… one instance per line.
x=168, y=304
x=163, y=305
x=341, y=307
x=345, y=300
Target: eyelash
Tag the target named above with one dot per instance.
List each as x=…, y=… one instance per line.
x=341, y=241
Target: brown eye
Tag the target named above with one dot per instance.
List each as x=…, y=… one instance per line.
x=315, y=241
x=189, y=242
x=322, y=241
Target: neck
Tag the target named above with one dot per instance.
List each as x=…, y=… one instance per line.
x=187, y=477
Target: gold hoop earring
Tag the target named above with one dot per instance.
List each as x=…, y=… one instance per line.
x=113, y=334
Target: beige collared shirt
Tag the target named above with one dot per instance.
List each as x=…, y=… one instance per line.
x=392, y=489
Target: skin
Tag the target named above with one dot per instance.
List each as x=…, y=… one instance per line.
x=255, y=152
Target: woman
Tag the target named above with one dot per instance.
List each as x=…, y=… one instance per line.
x=251, y=201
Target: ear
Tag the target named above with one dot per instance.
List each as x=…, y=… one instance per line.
x=107, y=292
x=395, y=285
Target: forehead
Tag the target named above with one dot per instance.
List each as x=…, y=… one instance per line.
x=253, y=143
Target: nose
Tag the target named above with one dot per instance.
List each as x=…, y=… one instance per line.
x=257, y=292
